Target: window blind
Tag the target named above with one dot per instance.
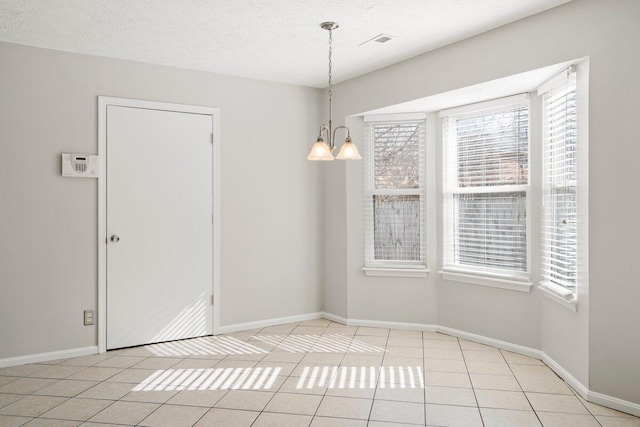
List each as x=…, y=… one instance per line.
x=560, y=168
x=395, y=194
x=486, y=174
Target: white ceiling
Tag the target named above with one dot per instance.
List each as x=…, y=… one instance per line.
x=275, y=40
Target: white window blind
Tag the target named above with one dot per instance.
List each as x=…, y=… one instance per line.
x=486, y=183
x=560, y=172
x=395, y=194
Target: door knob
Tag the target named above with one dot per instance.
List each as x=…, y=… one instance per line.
x=115, y=238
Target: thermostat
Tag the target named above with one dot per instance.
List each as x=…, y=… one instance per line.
x=80, y=166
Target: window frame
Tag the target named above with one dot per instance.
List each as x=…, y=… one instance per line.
x=396, y=268
x=484, y=276
x=562, y=84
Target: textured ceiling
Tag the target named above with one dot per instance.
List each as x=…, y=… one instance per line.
x=276, y=40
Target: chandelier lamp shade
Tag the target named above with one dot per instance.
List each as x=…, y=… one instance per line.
x=325, y=144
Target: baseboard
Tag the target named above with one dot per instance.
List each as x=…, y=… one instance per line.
x=588, y=395
x=46, y=357
x=391, y=325
x=613, y=403
x=237, y=327
x=334, y=318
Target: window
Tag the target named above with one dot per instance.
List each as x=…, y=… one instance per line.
x=486, y=184
x=560, y=172
x=395, y=193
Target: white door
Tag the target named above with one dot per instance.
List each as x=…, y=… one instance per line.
x=159, y=225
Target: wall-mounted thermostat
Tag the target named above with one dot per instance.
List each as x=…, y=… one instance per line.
x=80, y=166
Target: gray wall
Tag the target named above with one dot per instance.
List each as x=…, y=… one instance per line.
x=271, y=197
x=598, y=345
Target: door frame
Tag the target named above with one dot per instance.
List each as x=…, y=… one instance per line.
x=103, y=103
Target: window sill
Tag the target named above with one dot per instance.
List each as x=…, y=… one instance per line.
x=395, y=272
x=492, y=282
x=553, y=295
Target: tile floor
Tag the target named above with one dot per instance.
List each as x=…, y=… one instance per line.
x=316, y=373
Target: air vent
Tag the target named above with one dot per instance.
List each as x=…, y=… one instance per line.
x=380, y=38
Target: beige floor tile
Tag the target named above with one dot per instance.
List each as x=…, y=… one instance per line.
x=519, y=359
x=450, y=396
x=155, y=396
x=556, y=403
x=443, y=354
x=295, y=385
x=31, y=406
x=107, y=390
x=174, y=416
x=500, y=399
x=488, y=368
x=12, y=421
x=157, y=363
x=90, y=424
x=447, y=379
x=228, y=363
x=322, y=359
x=6, y=399
x=453, y=416
x=363, y=393
x=206, y=398
x=218, y=417
x=470, y=345
x=66, y=388
x=267, y=419
x=195, y=364
x=404, y=342
x=402, y=333
x=483, y=356
x=601, y=410
x=401, y=412
x=27, y=385
x=539, y=379
x=437, y=336
x=120, y=362
x=388, y=424
x=22, y=370
x=280, y=356
x=245, y=400
x=407, y=394
x=7, y=380
x=44, y=422
x=495, y=382
x=368, y=341
x=285, y=368
x=95, y=373
x=311, y=331
x=57, y=372
x=379, y=332
x=279, y=329
x=307, y=371
x=351, y=359
x=402, y=362
x=618, y=421
x=338, y=422
x=87, y=360
x=441, y=344
x=509, y=418
x=125, y=412
x=131, y=376
x=436, y=365
x=553, y=419
x=345, y=407
x=412, y=352
x=289, y=403
x=77, y=409
x=318, y=322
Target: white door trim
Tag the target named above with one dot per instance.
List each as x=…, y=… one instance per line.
x=103, y=102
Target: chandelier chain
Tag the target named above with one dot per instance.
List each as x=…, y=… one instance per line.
x=330, y=63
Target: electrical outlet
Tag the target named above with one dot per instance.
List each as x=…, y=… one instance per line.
x=89, y=317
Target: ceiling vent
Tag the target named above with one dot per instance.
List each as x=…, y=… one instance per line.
x=380, y=38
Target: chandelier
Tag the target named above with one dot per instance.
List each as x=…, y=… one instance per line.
x=325, y=144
